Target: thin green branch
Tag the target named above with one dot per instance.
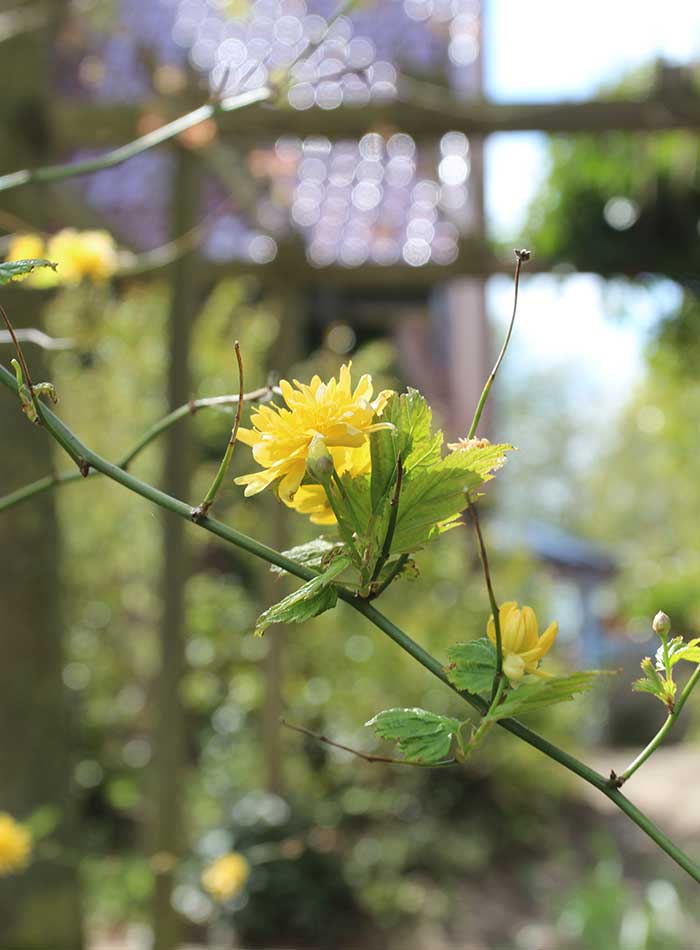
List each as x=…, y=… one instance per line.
x=117, y=156
x=393, y=573
x=367, y=756
x=391, y=524
x=486, y=721
x=170, y=130
x=188, y=409
x=55, y=426
x=498, y=676
x=520, y=258
x=203, y=510
x=619, y=780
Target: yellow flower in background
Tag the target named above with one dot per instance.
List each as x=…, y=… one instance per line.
x=332, y=411
x=25, y=247
x=15, y=845
x=226, y=877
x=523, y=648
x=80, y=255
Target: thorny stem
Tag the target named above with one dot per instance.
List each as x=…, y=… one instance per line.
x=367, y=756
x=498, y=676
x=391, y=524
x=203, y=510
x=54, y=425
x=619, y=780
x=520, y=258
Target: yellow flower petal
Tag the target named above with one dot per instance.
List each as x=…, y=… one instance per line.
x=281, y=437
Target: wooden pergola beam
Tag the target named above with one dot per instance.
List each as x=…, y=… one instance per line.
x=94, y=126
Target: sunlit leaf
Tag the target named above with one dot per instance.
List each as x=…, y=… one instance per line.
x=420, y=735
x=530, y=696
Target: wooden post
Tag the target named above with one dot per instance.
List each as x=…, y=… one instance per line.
x=41, y=906
x=169, y=757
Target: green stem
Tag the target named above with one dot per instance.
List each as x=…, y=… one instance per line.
x=367, y=756
x=395, y=570
x=520, y=258
x=391, y=525
x=498, y=675
x=203, y=509
x=54, y=425
x=660, y=735
x=170, y=130
x=486, y=721
x=188, y=409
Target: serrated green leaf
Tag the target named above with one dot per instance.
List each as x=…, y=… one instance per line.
x=411, y=438
x=310, y=600
x=420, y=735
x=472, y=665
x=662, y=688
x=678, y=649
x=316, y=554
x=546, y=692
x=432, y=498
x=11, y=270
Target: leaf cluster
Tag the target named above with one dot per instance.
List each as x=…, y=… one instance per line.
x=412, y=496
x=657, y=676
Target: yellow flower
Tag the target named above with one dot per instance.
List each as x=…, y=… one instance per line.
x=332, y=411
x=82, y=255
x=15, y=845
x=523, y=648
x=226, y=876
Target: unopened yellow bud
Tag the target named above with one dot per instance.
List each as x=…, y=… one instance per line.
x=319, y=461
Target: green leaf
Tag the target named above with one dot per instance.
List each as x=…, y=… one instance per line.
x=421, y=736
x=10, y=270
x=411, y=438
x=678, y=649
x=472, y=665
x=317, y=554
x=546, y=692
x=659, y=686
x=432, y=498
x=310, y=600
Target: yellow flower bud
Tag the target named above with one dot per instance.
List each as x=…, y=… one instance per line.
x=523, y=648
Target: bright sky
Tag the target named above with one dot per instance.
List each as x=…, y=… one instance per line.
x=548, y=50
